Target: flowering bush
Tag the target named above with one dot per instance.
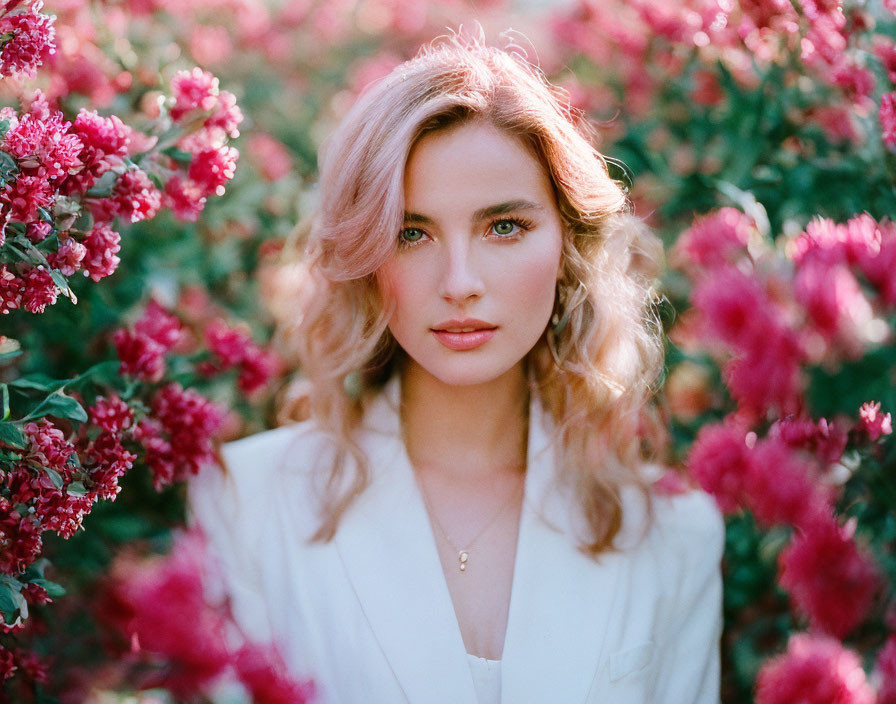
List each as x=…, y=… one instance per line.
x=759, y=137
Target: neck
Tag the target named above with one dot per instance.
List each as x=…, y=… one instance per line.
x=465, y=432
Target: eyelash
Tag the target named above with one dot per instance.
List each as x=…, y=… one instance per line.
x=523, y=225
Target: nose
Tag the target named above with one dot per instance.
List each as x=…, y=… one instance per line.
x=461, y=279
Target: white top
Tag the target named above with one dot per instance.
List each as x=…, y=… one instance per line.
x=368, y=615
x=486, y=679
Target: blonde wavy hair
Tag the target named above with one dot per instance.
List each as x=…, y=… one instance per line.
x=594, y=376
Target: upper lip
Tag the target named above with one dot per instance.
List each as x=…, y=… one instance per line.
x=465, y=324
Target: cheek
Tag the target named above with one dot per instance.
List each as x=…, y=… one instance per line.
x=398, y=288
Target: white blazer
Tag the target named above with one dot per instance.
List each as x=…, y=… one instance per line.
x=369, y=617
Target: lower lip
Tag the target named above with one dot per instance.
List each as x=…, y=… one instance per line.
x=464, y=340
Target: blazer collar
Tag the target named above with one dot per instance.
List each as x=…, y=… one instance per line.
x=560, y=599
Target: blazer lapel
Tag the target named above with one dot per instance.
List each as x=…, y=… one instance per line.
x=386, y=543
x=561, y=600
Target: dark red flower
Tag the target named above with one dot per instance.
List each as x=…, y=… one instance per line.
x=140, y=356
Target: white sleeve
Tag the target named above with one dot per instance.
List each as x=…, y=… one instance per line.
x=690, y=665
x=227, y=517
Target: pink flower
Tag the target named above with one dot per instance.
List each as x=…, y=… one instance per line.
x=718, y=460
x=269, y=155
x=887, y=116
x=190, y=421
x=47, y=444
x=733, y=308
x=886, y=52
x=135, y=196
x=257, y=369
x=193, y=90
x=815, y=670
x=261, y=668
x=872, y=422
x=824, y=440
x=32, y=41
x=105, y=142
x=184, y=197
x=11, y=289
x=108, y=461
x=39, y=291
x=43, y=144
x=20, y=541
x=159, y=325
x=768, y=376
x=102, y=244
x=833, y=300
x=160, y=606
x=22, y=197
x=111, y=414
x=7, y=664
x=779, y=487
x=829, y=580
x=212, y=168
x=715, y=239
x=227, y=116
x=140, y=356
x=886, y=668
x=68, y=257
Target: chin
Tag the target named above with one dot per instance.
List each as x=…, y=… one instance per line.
x=466, y=370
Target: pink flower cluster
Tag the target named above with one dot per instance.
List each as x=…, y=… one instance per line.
x=142, y=350
x=59, y=172
x=28, y=38
x=178, y=433
x=234, y=348
x=199, y=101
x=48, y=490
x=162, y=609
x=814, y=670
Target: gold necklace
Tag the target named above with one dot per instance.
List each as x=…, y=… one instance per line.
x=463, y=554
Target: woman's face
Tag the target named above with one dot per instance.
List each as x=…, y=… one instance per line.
x=480, y=248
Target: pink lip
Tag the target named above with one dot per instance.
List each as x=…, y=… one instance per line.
x=464, y=340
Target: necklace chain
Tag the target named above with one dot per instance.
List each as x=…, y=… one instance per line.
x=463, y=554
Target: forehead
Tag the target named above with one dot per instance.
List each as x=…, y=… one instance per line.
x=472, y=165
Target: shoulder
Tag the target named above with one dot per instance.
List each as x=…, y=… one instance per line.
x=253, y=471
x=681, y=530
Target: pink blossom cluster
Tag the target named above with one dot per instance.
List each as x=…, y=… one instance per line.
x=630, y=36
x=769, y=456
x=57, y=481
x=178, y=433
x=17, y=662
x=814, y=670
x=58, y=173
x=234, y=348
x=27, y=38
x=163, y=611
x=197, y=100
x=142, y=350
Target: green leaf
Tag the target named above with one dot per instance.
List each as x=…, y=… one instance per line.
x=54, y=590
x=38, y=382
x=179, y=155
x=5, y=392
x=60, y=280
x=11, y=435
x=58, y=404
x=10, y=597
x=54, y=476
x=45, y=215
x=76, y=489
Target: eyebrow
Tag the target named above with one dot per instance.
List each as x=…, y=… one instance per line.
x=483, y=213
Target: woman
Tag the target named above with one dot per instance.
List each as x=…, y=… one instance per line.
x=467, y=515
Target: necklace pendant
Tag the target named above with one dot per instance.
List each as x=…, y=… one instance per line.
x=462, y=557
